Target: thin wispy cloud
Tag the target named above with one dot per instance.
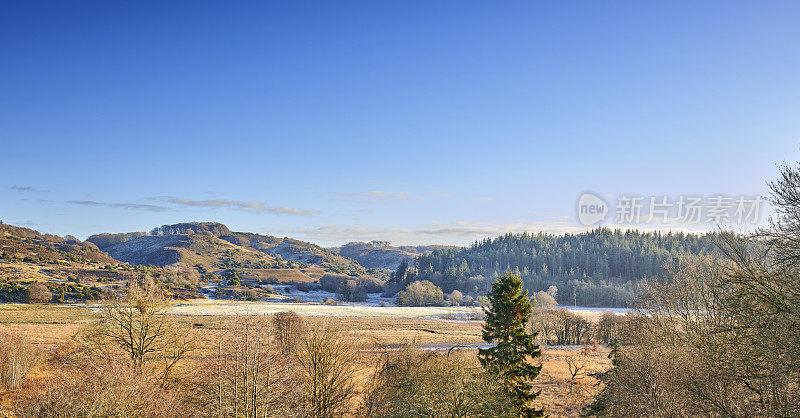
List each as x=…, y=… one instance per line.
x=249, y=206
x=457, y=233
x=218, y=203
x=25, y=199
x=288, y=210
x=129, y=206
x=25, y=189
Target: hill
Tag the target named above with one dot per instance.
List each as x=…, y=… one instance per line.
x=211, y=246
x=44, y=268
x=381, y=255
x=597, y=268
x=18, y=244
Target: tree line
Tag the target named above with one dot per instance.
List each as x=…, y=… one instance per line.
x=597, y=268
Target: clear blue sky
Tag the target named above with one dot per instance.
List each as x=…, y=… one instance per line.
x=416, y=122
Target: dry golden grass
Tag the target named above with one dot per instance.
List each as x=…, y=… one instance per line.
x=49, y=325
x=279, y=275
x=22, y=271
x=314, y=272
x=46, y=314
x=554, y=380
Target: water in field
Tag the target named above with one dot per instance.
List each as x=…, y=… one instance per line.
x=595, y=310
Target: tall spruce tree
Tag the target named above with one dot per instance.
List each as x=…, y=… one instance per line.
x=514, y=347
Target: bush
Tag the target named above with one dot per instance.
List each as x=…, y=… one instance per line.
x=543, y=299
x=14, y=292
x=371, y=284
x=350, y=289
x=180, y=276
x=353, y=292
x=332, y=282
x=39, y=293
x=421, y=293
x=410, y=382
x=455, y=298
x=561, y=327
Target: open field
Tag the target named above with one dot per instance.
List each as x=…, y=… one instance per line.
x=285, y=275
x=202, y=307
x=370, y=330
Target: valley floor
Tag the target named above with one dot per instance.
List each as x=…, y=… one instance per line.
x=371, y=329
x=229, y=307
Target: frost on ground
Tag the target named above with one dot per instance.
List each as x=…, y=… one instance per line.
x=229, y=307
x=310, y=303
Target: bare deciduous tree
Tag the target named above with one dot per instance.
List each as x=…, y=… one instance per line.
x=327, y=363
x=288, y=326
x=139, y=325
x=720, y=338
x=17, y=358
x=248, y=370
x=413, y=382
x=576, y=368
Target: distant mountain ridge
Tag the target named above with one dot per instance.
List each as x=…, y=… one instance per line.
x=382, y=255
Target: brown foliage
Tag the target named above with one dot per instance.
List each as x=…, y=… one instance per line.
x=327, y=376
x=17, y=359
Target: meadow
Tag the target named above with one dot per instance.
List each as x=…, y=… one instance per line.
x=370, y=331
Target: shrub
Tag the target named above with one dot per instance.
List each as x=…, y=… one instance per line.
x=348, y=288
x=410, y=382
x=543, y=299
x=353, y=292
x=371, y=284
x=469, y=300
x=180, y=276
x=39, y=293
x=421, y=293
x=332, y=282
x=561, y=327
x=14, y=292
x=455, y=298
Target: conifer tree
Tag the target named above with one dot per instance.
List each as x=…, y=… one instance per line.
x=514, y=347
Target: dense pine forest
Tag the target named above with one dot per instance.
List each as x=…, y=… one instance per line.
x=597, y=268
